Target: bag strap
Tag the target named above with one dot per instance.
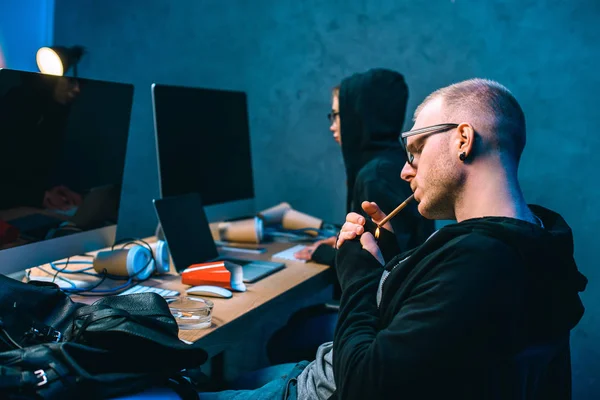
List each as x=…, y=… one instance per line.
x=105, y=313
x=96, y=313
x=83, y=311
x=97, y=307
x=17, y=380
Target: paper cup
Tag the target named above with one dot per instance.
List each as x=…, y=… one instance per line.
x=293, y=219
x=242, y=231
x=135, y=262
x=274, y=215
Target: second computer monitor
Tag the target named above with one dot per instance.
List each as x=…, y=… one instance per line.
x=203, y=146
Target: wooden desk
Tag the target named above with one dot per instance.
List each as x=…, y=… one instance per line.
x=232, y=318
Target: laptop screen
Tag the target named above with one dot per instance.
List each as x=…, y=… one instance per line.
x=186, y=230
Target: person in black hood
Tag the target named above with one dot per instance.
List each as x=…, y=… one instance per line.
x=367, y=116
x=484, y=308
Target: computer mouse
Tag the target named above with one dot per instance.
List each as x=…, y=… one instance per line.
x=210, y=291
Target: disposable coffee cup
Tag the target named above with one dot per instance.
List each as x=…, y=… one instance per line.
x=242, y=231
x=293, y=220
x=135, y=262
x=274, y=215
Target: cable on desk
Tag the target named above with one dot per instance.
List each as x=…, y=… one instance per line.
x=299, y=234
x=84, y=271
x=59, y=271
x=126, y=242
x=92, y=290
x=70, y=282
x=132, y=241
x=77, y=271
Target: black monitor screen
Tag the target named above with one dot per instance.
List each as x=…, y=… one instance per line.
x=63, y=144
x=203, y=143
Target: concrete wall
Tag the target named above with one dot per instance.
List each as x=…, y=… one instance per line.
x=288, y=54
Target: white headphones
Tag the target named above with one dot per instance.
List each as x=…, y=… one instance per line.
x=138, y=261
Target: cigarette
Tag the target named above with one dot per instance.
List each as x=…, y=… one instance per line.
x=393, y=214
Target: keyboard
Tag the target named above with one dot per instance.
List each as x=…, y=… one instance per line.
x=289, y=253
x=147, y=289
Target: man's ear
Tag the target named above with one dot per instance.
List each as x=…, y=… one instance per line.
x=465, y=141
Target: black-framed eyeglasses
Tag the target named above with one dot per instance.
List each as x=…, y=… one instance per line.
x=332, y=116
x=429, y=130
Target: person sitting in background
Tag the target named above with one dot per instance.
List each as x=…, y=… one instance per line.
x=367, y=116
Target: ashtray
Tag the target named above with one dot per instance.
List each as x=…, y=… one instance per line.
x=191, y=312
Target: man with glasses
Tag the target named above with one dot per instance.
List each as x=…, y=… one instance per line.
x=483, y=309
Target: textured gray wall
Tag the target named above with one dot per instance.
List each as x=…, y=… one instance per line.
x=288, y=54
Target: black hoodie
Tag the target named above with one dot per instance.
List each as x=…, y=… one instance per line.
x=456, y=312
x=372, y=108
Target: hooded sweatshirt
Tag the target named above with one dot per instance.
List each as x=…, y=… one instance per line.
x=453, y=317
x=372, y=109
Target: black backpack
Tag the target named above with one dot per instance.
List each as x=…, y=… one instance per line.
x=51, y=347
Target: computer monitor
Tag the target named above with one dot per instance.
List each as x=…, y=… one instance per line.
x=63, y=142
x=203, y=146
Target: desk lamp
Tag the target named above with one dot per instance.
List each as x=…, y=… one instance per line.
x=57, y=60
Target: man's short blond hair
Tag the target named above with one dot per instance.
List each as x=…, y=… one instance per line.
x=490, y=107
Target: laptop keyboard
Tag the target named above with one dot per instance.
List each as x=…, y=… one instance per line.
x=146, y=289
x=254, y=272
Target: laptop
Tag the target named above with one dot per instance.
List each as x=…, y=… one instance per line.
x=187, y=233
